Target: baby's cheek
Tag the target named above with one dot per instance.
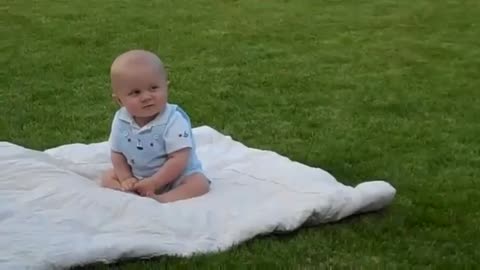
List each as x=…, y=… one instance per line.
x=132, y=103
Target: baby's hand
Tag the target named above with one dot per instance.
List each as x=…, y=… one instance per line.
x=146, y=187
x=129, y=184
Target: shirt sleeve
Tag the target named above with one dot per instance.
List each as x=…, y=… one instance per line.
x=114, y=138
x=178, y=134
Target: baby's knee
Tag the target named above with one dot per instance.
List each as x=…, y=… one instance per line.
x=202, y=184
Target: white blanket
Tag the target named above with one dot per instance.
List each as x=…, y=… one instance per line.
x=53, y=213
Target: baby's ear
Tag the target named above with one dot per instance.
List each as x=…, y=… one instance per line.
x=116, y=99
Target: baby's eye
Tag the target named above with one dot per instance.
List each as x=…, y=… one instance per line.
x=134, y=92
x=154, y=87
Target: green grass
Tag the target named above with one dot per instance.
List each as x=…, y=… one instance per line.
x=364, y=89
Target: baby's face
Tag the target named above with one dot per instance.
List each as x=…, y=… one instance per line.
x=142, y=90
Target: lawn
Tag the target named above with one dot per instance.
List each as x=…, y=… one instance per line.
x=364, y=89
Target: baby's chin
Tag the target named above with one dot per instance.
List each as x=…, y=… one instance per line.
x=150, y=111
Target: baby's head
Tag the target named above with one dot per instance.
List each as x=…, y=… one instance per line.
x=139, y=83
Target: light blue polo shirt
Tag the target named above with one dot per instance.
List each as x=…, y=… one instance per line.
x=146, y=148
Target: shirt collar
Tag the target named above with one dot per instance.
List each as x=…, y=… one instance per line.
x=160, y=119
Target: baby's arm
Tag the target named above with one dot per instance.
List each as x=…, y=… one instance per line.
x=178, y=144
x=120, y=167
x=173, y=167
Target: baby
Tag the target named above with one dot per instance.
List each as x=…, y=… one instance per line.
x=152, y=147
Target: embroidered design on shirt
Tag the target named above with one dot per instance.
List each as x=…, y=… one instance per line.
x=139, y=145
x=185, y=134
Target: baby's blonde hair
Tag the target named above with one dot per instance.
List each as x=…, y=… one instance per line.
x=137, y=57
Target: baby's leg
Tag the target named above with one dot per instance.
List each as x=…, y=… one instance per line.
x=193, y=185
x=110, y=180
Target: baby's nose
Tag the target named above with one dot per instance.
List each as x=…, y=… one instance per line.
x=146, y=97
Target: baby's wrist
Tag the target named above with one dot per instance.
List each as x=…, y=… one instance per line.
x=156, y=181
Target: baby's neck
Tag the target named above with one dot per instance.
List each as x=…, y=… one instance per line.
x=143, y=121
